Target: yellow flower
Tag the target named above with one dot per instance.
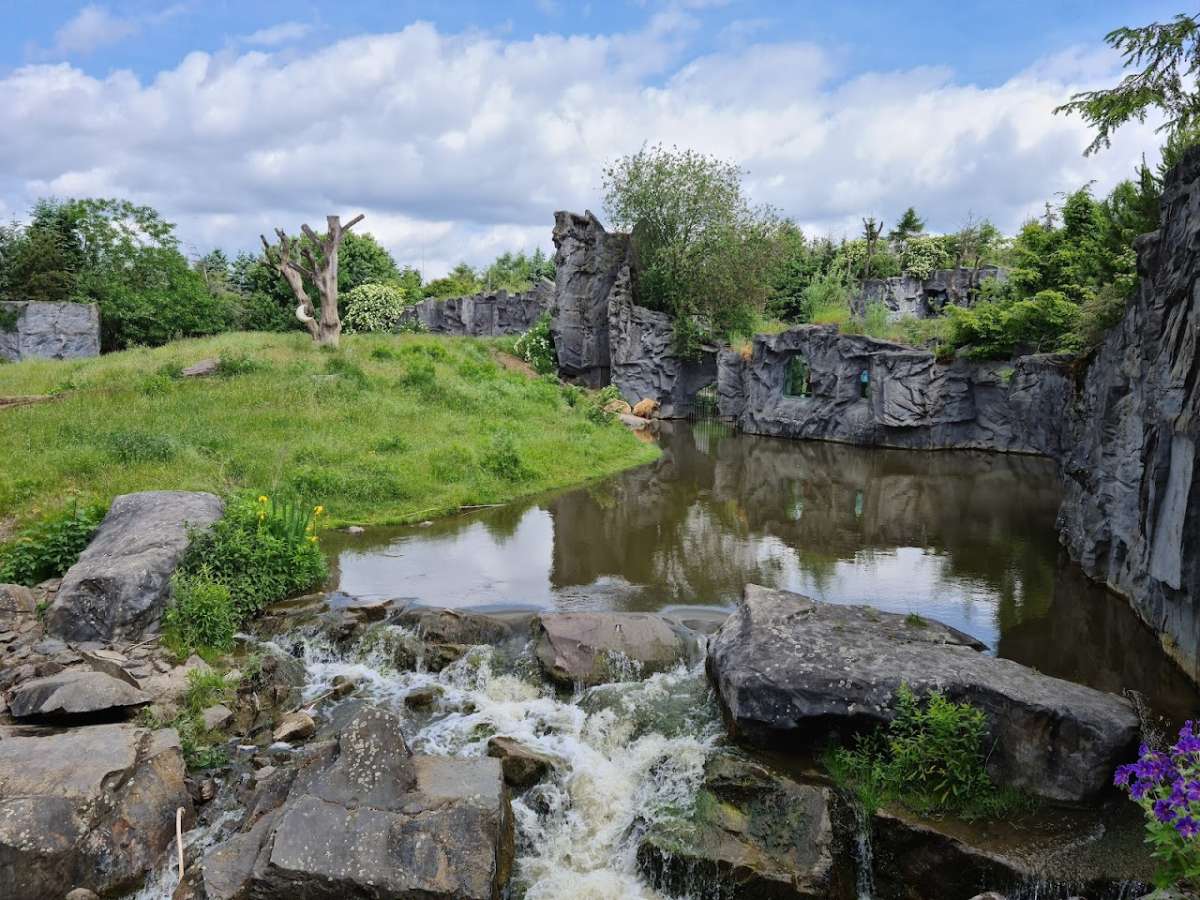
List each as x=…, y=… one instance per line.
x=313, y=539
x=318, y=510
x=262, y=498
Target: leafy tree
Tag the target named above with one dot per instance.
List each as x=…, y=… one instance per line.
x=706, y=256
x=461, y=281
x=516, y=271
x=1167, y=59
x=363, y=260
x=42, y=261
x=909, y=226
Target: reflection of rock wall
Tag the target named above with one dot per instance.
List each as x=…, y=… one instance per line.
x=911, y=401
x=1132, y=513
x=483, y=315
x=49, y=330
x=904, y=295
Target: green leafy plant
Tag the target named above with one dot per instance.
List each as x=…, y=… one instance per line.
x=201, y=615
x=503, y=459
x=48, y=548
x=134, y=445
x=374, y=307
x=230, y=365
x=261, y=551
x=931, y=758
x=536, y=347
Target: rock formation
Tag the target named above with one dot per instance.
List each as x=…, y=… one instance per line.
x=121, y=583
x=587, y=262
x=861, y=390
x=591, y=648
x=488, y=314
x=789, y=668
x=904, y=295
x=49, y=330
x=1130, y=515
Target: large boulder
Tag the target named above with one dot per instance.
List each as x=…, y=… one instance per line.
x=75, y=694
x=594, y=647
x=790, y=670
x=486, y=314
x=91, y=807
x=363, y=818
x=121, y=583
x=749, y=835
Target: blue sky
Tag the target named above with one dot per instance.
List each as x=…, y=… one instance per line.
x=459, y=127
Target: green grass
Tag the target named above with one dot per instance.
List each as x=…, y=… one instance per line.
x=390, y=429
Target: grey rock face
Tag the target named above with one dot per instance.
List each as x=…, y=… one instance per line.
x=904, y=295
x=1131, y=512
x=592, y=647
x=364, y=819
x=91, y=808
x=752, y=835
x=483, y=315
x=587, y=262
x=73, y=693
x=644, y=364
x=49, y=330
x=121, y=583
x=909, y=400
x=786, y=667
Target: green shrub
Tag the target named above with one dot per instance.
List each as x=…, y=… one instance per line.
x=419, y=373
x=348, y=372
x=230, y=365
x=502, y=459
x=1000, y=328
x=536, y=347
x=200, y=616
x=137, y=446
x=48, y=548
x=373, y=308
x=931, y=758
x=260, y=551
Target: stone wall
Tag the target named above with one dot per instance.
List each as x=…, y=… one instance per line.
x=911, y=400
x=904, y=295
x=486, y=314
x=1131, y=515
x=48, y=330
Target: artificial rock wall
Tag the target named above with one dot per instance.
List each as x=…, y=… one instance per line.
x=1131, y=515
x=48, y=330
x=910, y=399
x=487, y=314
x=904, y=295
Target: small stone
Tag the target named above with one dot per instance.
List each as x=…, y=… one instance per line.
x=216, y=718
x=294, y=726
x=343, y=685
x=202, y=368
x=82, y=894
x=264, y=773
x=522, y=767
x=202, y=791
x=355, y=529
x=422, y=698
x=162, y=666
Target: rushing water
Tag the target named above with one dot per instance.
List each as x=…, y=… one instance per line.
x=965, y=538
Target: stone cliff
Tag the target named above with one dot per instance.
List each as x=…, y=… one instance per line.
x=1130, y=515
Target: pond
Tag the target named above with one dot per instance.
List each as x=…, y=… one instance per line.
x=965, y=538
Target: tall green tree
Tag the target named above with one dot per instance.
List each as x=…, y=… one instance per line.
x=909, y=226
x=1165, y=57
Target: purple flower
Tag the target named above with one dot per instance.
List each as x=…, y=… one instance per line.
x=1140, y=789
x=1163, y=811
x=1187, y=827
x=1124, y=773
x=1192, y=791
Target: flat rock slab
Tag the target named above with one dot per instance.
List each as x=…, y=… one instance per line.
x=91, y=807
x=790, y=671
x=75, y=693
x=121, y=583
x=365, y=819
x=591, y=648
x=751, y=835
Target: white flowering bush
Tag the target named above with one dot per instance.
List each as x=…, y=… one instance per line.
x=373, y=307
x=537, y=348
x=922, y=254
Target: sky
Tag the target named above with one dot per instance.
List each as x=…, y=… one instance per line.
x=458, y=128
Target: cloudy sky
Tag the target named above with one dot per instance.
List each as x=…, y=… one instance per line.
x=459, y=127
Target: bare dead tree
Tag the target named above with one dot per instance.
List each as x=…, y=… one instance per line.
x=316, y=260
x=871, y=231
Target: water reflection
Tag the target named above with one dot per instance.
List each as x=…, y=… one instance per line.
x=966, y=538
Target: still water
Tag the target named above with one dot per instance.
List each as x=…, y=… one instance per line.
x=965, y=538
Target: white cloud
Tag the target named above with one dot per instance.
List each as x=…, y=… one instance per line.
x=93, y=27
x=283, y=33
x=462, y=145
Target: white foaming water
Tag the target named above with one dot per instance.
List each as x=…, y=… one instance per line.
x=626, y=754
x=161, y=883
